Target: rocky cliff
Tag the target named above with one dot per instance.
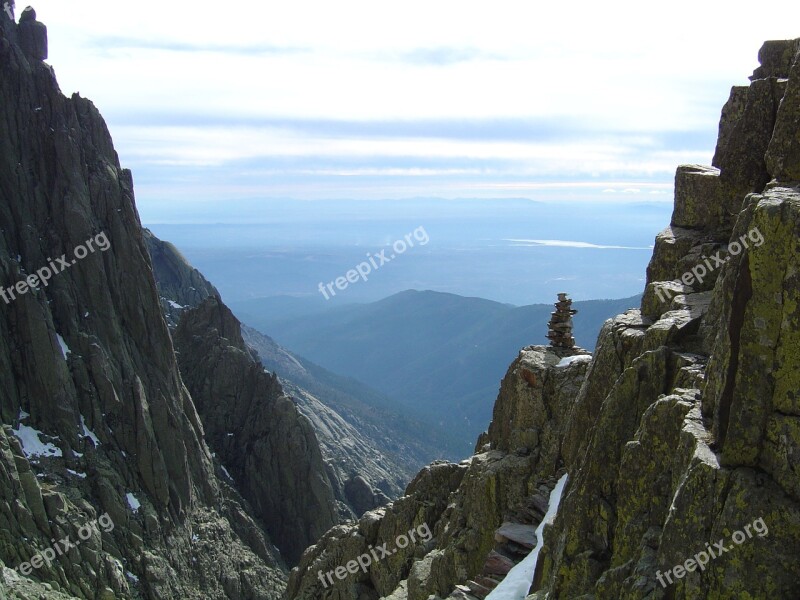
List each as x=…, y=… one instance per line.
x=269, y=449
x=107, y=486
x=680, y=435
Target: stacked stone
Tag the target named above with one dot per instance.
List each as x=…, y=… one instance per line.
x=560, y=326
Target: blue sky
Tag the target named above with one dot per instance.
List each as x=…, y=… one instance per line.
x=213, y=103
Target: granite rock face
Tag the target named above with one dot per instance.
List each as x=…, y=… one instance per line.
x=680, y=433
x=268, y=448
x=696, y=438
x=87, y=366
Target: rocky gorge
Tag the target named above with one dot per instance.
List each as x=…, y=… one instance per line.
x=130, y=391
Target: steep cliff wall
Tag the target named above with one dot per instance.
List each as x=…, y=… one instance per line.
x=698, y=436
x=269, y=449
x=96, y=419
x=681, y=436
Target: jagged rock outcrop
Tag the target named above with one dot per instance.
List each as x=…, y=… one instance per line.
x=32, y=35
x=269, y=449
x=698, y=432
x=504, y=482
x=180, y=285
x=685, y=430
x=362, y=477
x=95, y=417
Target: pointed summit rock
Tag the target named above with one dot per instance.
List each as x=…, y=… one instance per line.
x=32, y=35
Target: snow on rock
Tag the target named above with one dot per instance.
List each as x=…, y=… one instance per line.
x=64, y=348
x=518, y=581
x=89, y=433
x=174, y=304
x=32, y=446
x=133, y=502
x=76, y=474
x=565, y=362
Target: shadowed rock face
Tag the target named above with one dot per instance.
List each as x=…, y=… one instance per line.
x=269, y=449
x=32, y=35
x=90, y=352
x=683, y=429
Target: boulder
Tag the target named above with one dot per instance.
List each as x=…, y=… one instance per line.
x=524, y=535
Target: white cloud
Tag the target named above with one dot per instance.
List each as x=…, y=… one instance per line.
x=643, y=71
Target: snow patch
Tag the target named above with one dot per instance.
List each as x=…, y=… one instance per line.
x=89, y=433
x=133, y=502
x=32, y=446
x=228, y=475
x=76, y=474
x=519, y=579
x=565, y=362
x=174, y=304
x=64, y=348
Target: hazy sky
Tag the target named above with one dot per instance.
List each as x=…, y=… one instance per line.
x=212, y=101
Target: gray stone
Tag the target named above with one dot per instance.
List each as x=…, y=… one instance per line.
x=525, y=535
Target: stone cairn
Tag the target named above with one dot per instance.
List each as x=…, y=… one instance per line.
x=560, y=326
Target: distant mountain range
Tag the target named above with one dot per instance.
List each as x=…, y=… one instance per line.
x=439, y=356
